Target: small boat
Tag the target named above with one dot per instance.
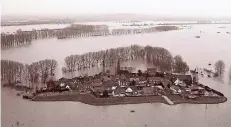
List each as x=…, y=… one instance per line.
x=132, y=111
x=198, y=37
x=218, y=32
x=228, y=32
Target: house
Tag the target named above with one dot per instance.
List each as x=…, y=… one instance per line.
x=105, y=78
x=154, y=80
x=97, y=80
x=119, y=91
x=87, y=85
x=129, y=91
x=187, y=79
x=179, y=82
x=98, y=91
x=115, y=78
x=175, y=89
x=123, y=80
x=95, y=85
x=167, y=83
x=197, y=90
x=109, y=84
x=135, y=78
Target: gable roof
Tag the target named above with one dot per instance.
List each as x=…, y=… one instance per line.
x=129, y=90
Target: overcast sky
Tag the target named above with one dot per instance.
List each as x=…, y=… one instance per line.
x=213, y=8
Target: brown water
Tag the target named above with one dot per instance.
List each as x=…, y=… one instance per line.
x=197, y=52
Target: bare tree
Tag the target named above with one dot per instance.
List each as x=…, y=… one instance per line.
x=11, y=71
x=33, y=70
x=219, y=67
x=179, y=65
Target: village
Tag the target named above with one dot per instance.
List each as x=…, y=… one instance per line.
x=150, y=83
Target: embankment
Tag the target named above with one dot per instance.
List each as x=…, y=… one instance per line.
x=92, y=100
x=177, y=99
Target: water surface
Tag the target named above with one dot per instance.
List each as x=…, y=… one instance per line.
x=196, y=52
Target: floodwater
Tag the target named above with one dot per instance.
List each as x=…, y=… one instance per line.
x=211, y=47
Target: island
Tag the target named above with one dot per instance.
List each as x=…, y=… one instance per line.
x=151, y=86
x=168, y=81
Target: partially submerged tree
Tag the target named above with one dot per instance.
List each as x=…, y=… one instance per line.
x=139, y=72
x=180, y=66
x=219, y=67
x=11, y=71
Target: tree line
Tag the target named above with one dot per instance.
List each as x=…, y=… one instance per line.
x=38, y=72
x=75, y=30
x=159, y=57
x=25, y=37
x=13, y=72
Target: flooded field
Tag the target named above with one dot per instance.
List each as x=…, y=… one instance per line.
x=210, y=47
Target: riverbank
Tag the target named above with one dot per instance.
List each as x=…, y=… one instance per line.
x=92, y=100
x=177, y=99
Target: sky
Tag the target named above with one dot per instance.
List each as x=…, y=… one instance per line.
x=209, y=8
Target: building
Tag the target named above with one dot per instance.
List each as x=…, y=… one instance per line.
x=147, y=91
x=118, y=66
x=119, y=92
x=154, y=80
x=187, y=79
x=175, y=89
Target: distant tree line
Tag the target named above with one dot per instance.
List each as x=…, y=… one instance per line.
x=14, y=72
x=75, y=30
x=158, y=56
x=25, y=37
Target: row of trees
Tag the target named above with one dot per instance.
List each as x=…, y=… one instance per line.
x=25, y=37
x=158, y=56
x=76, y=30
x=13, y=72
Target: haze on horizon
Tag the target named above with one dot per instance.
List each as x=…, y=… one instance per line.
x=193, y=8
